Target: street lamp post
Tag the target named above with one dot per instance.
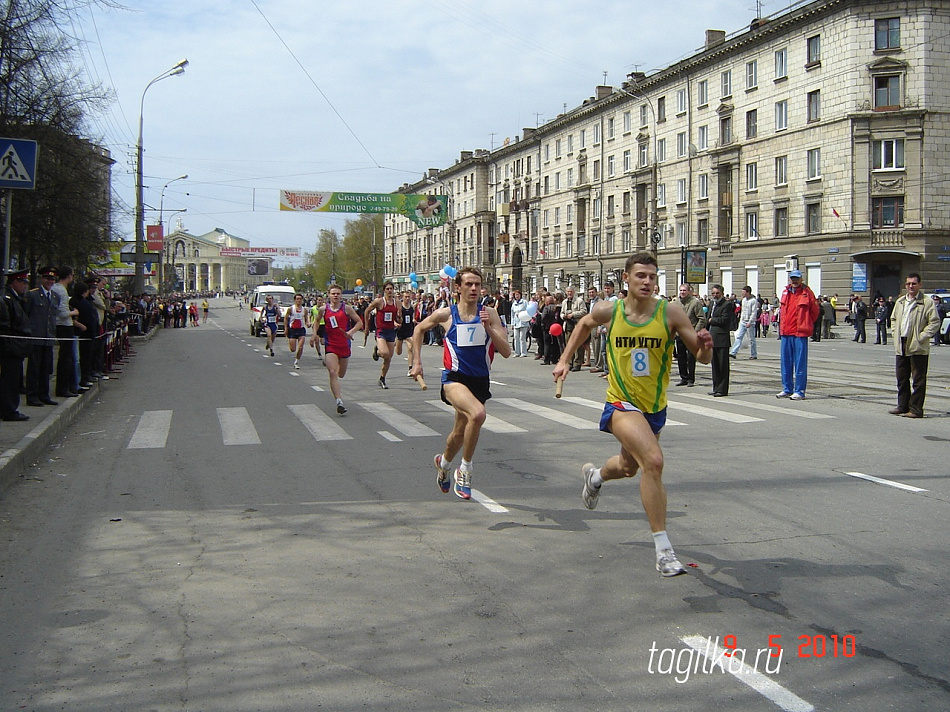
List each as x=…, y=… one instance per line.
x=139, y=285
x=161, y=224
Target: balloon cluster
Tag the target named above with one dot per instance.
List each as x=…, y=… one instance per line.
x=528, y=313
x=413, y=280
x=448, y=272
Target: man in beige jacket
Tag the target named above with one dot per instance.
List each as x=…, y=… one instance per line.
x=914, y=321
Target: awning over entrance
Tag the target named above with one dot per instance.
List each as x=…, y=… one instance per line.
x=883, y=252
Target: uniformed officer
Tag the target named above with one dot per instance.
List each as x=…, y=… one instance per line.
x=15, y=343
x=42, y=311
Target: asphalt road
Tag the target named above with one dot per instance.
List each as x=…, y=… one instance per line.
x=210, y=535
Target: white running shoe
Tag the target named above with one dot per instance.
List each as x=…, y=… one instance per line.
x=668, y=565
x=590, y=493
x=798, y=396
x=783, y=394
x=296, y=365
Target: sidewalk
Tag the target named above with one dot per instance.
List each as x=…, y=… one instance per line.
x=23, y=444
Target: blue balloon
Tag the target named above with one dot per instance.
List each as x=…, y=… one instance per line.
x=532, y=308
x=450, y=271
x=412, y=276
x=415, y=285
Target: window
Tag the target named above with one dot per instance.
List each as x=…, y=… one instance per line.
x=661, y=150
x=702, y=231
x=583, y=138
x=814, y=105
x=681, y=101
x=752, y=176
x=781, y=115
x=702, y=137
x=661, y=109
x=887, y=154
x=887, y=212
x=595, y=205
x=547, y=185
x=660, y=195
x=813, y=218
x=751, y=74
x=702, y=93
x=557, y=148
x=610, y=243
x=887, y=33
x=626, y=203
x=681, y=234
x=545, y=219
x=681, y=190
x=610, y=127
x=814, y=163
x=547, y=152
x=596, y=175
x=726, y=82
x=557, y=181
x=781, y=63
x=611, y=166
x=570, y=177
x=751, y=226
x=557, y=216
x=596, y=134
x=813, y=47
x=570, y=144
x=644, y=155
x=627, y=122
x=781, y=170
x=557, y=250
x=570, y=213
x=625, y=238
x=703, y=186
x=644, y=115
x=627, y=165
x=681, y=146
x=725, y=130
x=568, y=247
x=751, y=123
x=610, y=206
x=887, y=92
x=781, y=222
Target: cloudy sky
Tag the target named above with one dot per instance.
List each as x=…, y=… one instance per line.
x=355, y=96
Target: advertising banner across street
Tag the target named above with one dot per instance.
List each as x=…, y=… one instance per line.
x=423, y=210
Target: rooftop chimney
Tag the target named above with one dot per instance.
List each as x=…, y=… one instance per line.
x=604, y=91
x=715, y=37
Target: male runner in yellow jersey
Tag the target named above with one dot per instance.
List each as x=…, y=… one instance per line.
x=640, y=335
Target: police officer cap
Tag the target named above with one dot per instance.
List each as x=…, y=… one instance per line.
x=48, y=272
x=15, y=274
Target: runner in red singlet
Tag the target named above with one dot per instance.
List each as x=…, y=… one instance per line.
x=338, y=336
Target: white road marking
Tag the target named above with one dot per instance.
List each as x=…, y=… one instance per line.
x=319, y=424
x=571, y=421
x=711, y=413
x=599, y=406
x=762, y=406
x=889, y=483
x=496, y=383
x=403, y=423
x=747, y=675
x=492, y=424
x=318, y=389
x=152, y=430
x=390, y=437
x=487, y=502
x=236, y=427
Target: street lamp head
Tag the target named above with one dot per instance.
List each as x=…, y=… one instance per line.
x=181, y=65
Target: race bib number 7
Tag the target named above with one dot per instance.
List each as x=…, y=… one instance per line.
x=640, y=362
x=470, y=335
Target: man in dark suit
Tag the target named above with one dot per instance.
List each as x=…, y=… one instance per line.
x=15, y=343
x=721, y=316
x=42, y=312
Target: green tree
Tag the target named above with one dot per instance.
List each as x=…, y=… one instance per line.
x=362, y=252
x=325, y=261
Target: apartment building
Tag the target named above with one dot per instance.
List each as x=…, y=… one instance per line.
x=816, y=138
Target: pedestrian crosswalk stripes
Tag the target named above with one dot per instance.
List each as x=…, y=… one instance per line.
x=152, y=430
x=713, y=413
x=559, y=417
x=510, y=416
x=403, y=423
x=236, y=427
x=320, y=425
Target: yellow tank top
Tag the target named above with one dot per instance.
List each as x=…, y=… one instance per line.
x=640, y=358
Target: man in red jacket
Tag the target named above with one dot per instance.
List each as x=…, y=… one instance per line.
x=799, y=309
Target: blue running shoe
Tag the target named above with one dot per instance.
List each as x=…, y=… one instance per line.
x=463, y=484
x=443, y=477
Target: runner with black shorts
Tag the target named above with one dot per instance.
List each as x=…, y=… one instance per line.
x=388, y=319
x=269, y=315
x=296, y=321
x=472, y=338
x=404, y=332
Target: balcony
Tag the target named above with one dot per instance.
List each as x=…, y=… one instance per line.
x=887, y=239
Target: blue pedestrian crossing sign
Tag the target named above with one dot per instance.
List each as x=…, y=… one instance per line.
x=17, y=163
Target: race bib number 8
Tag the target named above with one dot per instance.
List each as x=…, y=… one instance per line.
x=640, y=362
x=470, y=334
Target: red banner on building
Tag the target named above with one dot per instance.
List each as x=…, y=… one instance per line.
x=153, y=236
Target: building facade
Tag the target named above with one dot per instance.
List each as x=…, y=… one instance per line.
x=199, y=265
x=814, y=138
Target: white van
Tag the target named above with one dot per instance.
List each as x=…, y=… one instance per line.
x=283, y=298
